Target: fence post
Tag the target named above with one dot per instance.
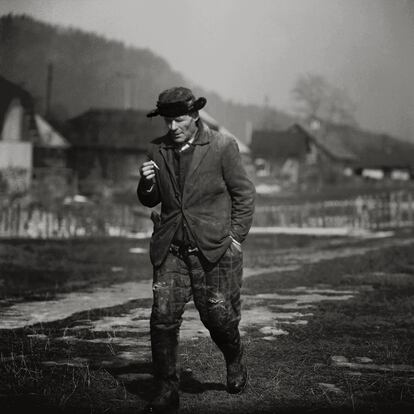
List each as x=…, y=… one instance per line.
x=18, y=212
x=322, y=213
x=7, y=220
x=410, y=208
x=399, y=207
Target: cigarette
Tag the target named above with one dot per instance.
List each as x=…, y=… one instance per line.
x=155, y=165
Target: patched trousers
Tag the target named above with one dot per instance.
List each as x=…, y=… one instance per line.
x=215, y=290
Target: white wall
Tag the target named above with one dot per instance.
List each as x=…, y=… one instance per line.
x=16, y=164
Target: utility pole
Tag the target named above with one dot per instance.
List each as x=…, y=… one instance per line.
x=49, y=82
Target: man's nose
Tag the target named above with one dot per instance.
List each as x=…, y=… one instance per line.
x=172, y=125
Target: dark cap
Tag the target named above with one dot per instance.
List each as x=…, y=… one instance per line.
x=177, y=101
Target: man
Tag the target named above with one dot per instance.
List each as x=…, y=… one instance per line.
x=207, y=204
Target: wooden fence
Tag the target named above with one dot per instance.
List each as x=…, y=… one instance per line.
x=91, y=221
x=374, y=212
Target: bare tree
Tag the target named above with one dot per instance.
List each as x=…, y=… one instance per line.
x=318, y=99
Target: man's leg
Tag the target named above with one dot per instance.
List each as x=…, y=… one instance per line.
x=216, y=292
x=171, y=291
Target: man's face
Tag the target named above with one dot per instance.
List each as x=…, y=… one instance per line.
x=181, y=128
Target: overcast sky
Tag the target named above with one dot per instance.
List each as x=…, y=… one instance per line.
x=248, y=49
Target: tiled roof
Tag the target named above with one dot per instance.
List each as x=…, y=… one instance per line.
x=10, y=91
x=113, y=128
x=363, y=148
x=280, y=145
x=332, y=141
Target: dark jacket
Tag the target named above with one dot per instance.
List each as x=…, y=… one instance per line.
x=217, y=200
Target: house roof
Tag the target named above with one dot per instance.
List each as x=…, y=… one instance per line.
x=113, y=128
x=279, y=145
x=48, y=137
x=356, y=147
x=331, y=141
x=362, y=148
x=125, y=129
x=10, y=91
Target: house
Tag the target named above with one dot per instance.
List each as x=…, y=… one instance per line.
x=109, y=145
x=51, y=174
x=272, y=150
x=294, y=156
x=372, y=155
x=328, y=153
x=32, y=152
x=17, y=128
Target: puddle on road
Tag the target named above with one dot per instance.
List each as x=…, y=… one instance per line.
x=249, y=272
x=322, y=290
x=129, y=332
x=366, y=364
x=269, y=315
x=34, y=312
x=30, y=313
x=259, y=310
x=303, y=298
x=266, y=315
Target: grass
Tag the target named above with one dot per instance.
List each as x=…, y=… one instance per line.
x=286, y=375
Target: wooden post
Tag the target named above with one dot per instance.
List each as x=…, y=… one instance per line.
x=14, y=222
x=399, y=201
x=47, y=225
x=410, y=208
x=18, y=212
x=322, y=212
x=123, y=231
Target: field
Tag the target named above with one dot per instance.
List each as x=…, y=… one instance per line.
x=328, y=325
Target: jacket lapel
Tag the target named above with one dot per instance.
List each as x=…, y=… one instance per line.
x=170, y=169
x=200, y=151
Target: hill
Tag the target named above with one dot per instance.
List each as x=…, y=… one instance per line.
x=92, y=71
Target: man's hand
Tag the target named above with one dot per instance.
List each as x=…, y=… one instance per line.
x=236, y=243
x=147, y=170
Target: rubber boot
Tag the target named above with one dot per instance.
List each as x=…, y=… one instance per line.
x=236, y=369
x=164, y=359
x=166, y=401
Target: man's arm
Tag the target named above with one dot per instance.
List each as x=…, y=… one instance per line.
x=241, y=190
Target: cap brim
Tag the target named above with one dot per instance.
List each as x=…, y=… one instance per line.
x=153, y=113
x=199, y=103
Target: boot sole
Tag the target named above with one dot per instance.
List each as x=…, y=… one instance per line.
x=236, y=392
